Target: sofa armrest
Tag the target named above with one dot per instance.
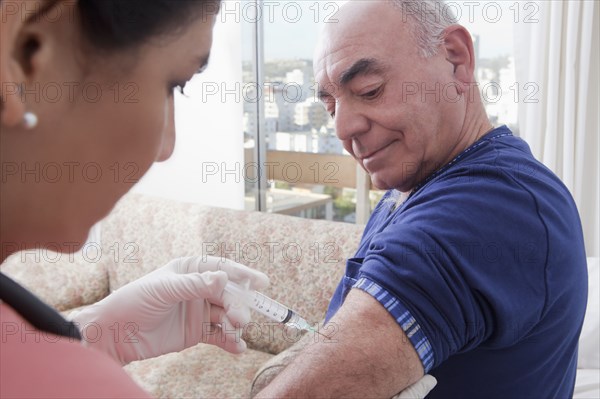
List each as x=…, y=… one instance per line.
x=64, y=281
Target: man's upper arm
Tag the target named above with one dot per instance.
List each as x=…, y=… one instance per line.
x=368, y=356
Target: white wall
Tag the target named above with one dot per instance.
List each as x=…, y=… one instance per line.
x=209, y=133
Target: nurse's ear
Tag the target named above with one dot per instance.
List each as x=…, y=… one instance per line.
x=32, y=35
x=11, y=22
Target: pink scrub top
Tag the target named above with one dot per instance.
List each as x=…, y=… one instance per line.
x=40, y=364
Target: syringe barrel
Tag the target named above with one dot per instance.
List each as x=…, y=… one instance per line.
x=261, y=303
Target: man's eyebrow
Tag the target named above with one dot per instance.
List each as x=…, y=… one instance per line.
x=364, y=66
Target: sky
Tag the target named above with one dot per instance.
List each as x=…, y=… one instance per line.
x=291, y=27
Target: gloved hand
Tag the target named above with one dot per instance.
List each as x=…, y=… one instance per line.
x=419, y=389
x=173, y=308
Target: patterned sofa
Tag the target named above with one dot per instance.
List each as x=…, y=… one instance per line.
x=304, y=259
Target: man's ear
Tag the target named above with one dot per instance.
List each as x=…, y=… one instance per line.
x=459, y=52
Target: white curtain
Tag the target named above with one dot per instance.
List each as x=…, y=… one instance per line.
x=556, y=60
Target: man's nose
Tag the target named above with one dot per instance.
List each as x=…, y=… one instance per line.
x=350, y=122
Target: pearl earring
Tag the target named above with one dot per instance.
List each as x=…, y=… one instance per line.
x=30, y=120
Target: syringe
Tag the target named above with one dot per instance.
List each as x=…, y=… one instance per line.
x=268, y=307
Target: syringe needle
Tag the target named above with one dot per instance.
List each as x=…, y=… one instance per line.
x=320, y=333
x=312, y=329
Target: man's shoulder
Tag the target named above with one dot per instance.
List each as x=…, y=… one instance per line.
x=499, y=172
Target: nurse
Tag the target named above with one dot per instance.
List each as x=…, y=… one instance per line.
x=112, y=66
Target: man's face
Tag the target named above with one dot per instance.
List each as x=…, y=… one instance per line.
x=398, y=114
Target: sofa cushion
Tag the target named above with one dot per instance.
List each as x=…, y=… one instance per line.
x=304, y=258
x=203, y=371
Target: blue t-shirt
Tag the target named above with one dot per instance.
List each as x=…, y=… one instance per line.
x=484, y=269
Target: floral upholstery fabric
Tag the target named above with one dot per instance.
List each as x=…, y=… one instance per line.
x=203, y=371
x=64, y=281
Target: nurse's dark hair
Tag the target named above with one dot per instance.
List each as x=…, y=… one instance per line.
x=114, y=25
x=123, y=24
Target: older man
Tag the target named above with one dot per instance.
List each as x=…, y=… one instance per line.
x=476, y=272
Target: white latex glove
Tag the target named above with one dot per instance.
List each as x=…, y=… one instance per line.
x=419, y=389
x=173, y=308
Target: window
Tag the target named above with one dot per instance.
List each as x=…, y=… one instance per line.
x=491, y=26
x=304, y=170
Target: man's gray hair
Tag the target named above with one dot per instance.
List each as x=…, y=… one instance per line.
x=428, y=20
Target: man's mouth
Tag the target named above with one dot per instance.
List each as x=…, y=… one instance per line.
x=373, y=153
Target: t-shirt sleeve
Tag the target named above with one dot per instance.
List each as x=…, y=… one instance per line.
x=463, y=267
x=403, y=317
